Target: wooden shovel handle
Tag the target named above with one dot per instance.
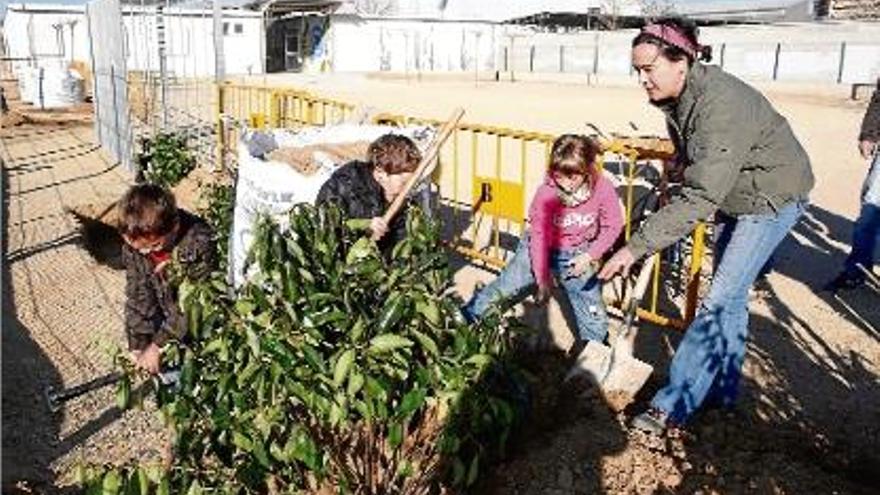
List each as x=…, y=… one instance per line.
x=634, y=298
x=644, y=278
x=427, y=159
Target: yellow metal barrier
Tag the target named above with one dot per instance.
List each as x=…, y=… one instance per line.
x=485, y=199
x=264, y=106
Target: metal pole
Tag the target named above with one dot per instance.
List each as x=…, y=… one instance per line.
x=95, y=81
x=163, y=81
x=219, y=76
x=561, y=58
x=596, y=55
x=721, y=61
x=532, y=58
x=117, y=138
x=842, y=62
x=776, y=61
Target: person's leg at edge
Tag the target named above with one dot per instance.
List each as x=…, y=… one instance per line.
x=865, y=231
x=715, y=342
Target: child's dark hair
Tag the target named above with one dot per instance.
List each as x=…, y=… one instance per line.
x=395, y=154
x=685, y=27
x=575, y=154
x=147, y=209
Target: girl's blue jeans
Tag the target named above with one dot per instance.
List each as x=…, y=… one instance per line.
x=517, y=279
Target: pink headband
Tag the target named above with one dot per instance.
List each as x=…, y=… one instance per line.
x=674, y=37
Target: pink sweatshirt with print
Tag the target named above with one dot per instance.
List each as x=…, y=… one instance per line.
x=591, y=226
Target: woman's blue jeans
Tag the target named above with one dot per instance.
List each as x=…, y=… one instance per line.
x=709, y=359
x=584, y=292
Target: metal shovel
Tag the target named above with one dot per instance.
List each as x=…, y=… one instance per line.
x=613, y=368
x=57, y=398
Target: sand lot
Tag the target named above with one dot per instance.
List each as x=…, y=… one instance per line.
x=810, y=415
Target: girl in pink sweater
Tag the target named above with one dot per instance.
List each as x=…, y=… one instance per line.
x=574, y=219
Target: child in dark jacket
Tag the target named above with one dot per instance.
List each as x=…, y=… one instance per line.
x=156, y=232
x=574, y=219
x=365, y=189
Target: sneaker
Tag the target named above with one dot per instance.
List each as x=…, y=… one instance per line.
x=653, y=421
x=845, y=281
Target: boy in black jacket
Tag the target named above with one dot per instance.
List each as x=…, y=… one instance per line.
x=156, y=232
x=366, y=189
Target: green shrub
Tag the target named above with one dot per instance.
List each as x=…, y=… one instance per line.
x=334, y=368
x=165, y=159
x=218, y=202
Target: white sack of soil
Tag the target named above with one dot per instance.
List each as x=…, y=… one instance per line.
x=273, y=187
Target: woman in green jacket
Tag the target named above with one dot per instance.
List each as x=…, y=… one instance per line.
x=742, y=162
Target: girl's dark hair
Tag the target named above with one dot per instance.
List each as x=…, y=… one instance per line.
x=395, y=154
x=147, y=209
x=684, y=26
x=575, y=154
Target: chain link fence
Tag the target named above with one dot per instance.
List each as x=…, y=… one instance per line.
x=154, y=69
x=110, y=92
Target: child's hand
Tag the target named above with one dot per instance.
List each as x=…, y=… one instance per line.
x=159, y=269
x=378, y=228
x=543, y=295
x=148, y=359
x=579, y=265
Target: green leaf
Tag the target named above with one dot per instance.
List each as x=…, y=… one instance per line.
x=80, y=474
x=391, y=313
x=357, y=331
x=164, y=487
x=253, y=341
x=248, y=372
x=314, y=358
x=361, y=249
x=143, y=481
x=388, y=342
x=260, y=454
x=302, y=448
x=395, y=435
x=215, y=345
x=355, y=383
x=473, y=470
x=426, y=342
x=479, y=360
x=245, y=307
x=358, y=223
x=430, y=311
x=278, y=453
x=112, y=482
x=343, y=365
x=123, y=393
x=306, y=275
x=242, y=441
x=195, y=488
x=411, y=401
x=458, y=472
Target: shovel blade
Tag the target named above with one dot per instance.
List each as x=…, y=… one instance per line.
x=619, y=374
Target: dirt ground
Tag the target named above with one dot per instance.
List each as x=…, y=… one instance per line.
x=809, y=417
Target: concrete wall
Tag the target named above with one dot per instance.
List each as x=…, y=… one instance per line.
x=844, y=52
x=818, y=52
